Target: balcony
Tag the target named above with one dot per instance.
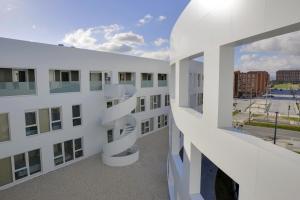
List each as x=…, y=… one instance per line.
x=127, y=82
x=95, y=85
x=62, y=87
x=147, y=83
x=162, y=83
x=17, y=88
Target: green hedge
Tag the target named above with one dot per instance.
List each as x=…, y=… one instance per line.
x=271, y=125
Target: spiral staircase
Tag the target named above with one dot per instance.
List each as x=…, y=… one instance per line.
x=122, y=151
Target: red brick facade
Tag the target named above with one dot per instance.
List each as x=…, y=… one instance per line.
x=288, y=76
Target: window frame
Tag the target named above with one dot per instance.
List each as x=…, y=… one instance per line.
x=8, y=124
x=79, y=117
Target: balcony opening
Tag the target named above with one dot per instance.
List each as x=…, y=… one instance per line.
x=62, y=81
x=17, y=82
x=146, y=80
x=127, y=78
x=96, y=81
x=215, y=184
x=266, y=90
x=162, y=80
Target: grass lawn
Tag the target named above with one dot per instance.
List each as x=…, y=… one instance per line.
x=235, y=112
x=286, y=86
x=271, y=125
x=290, y=118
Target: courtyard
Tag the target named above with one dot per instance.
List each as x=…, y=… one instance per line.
x=90, y=179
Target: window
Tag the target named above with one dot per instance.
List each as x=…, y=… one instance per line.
x=76, y=115
x=5, y=171
x=167, y=100
x=107, y=77
x=154, y=102
x=162, y=77
x=200, y=99
x=67, y=151
x=112, y=103
x=199, y=79
x=95, y=81
x=34, y=161
x=26, y=164
x=162, y=121
x=31, y=124
x=39, y=121
x=56, y=118
x=141, y=104
x=58, y=154
x=4, y=128
x=110, y=136
x=61, y=81
x=146, y=80
x=78, y=148
x=147, y=125
x=162, y=80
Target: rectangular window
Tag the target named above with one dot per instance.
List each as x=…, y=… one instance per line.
x=20, y=166
x=199, y=79
x=44, y=120
x=147, y=125
x=162, y=121
x=31, y=124
x=6, y=176
x=76, y=115
x=68, y=150
x=155, y=101
x=4, y=128
x=95, y=81
x=110, y=136
x=200, y=99
x=56, y=118
x=167, y=100
x=141, y=104
x=34, y=158
x=78, y=148
x=58, y=154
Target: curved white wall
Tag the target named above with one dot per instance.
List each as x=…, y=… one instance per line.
x=263, y=171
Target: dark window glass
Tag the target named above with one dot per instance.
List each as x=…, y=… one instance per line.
x=78, y=144
x=77, y=122
x=76, y=111
x=30, y=118
x=68, y=147
x=57, y=149
x=34, y=161
x=55, y=114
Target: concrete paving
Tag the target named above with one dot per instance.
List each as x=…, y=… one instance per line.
x=90, y=179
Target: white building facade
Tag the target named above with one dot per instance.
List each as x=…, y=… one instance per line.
x=204, y=148
x=59, y=105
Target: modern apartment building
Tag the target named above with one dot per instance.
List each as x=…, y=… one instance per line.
x=59, y=105
x=208, y=158
x=250, y=84
x=288, y=76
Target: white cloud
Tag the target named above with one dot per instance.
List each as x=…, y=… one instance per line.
x=271, y=64
x=104, y=38
x=284, y=44
x=162, y=54
x=33, y=26
x=161, y=18
x=146, y=19
x=160, y=41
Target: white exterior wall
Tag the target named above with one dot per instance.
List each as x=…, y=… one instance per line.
x=42, y=58
x=262, y=170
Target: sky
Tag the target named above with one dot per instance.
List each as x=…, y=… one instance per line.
x=133, y=27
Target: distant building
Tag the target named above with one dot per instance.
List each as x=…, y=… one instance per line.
x=291, y=76
x=253, y=83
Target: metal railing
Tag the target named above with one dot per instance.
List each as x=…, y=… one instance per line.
x=62, y=87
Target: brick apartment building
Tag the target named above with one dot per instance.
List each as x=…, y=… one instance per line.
x=253, y=83
x=288, y=76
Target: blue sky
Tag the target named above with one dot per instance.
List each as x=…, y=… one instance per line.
x=50, y=21
x=135, y=27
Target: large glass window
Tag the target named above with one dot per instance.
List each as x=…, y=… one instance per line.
x=162, y=80
x=31, y=123
x=147, y=125
x=4, y=127
x=140, y=104
x=76, y=115
x=167, y=100
x=64, y=81
x=68, y=148
x=5, y=171
x=162, y=121
x=20, y=166
x=56, y=118
x=110, y=136
x=64, y=152
x=34, y=161
x=155, y=101
x=95, y=81
x=146, y=80
x=58, y=154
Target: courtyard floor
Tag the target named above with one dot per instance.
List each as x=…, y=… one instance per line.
x=90, y=179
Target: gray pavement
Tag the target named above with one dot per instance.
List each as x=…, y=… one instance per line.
x=90, y=179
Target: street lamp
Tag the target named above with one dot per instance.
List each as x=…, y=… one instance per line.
x=275, y=130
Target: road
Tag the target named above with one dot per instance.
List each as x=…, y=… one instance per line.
x=263, y=132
